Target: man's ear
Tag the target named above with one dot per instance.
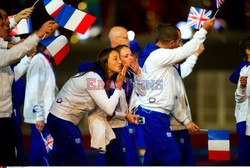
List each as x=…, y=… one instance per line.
x=248, y=51
x=172, y=43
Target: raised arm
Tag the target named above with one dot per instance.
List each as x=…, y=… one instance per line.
x=12, y=55
x=187, y=67
x=99, y=95
x=163, y=57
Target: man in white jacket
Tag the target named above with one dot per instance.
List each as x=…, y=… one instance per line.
x=158, y=103
x=9, y=56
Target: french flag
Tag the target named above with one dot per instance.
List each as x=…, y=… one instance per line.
x=58, y=47
x=74, y=19
x=23, y=27
x=218, y=145
x=53, y=7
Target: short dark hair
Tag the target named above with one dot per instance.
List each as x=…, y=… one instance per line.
x=244, y=44
x=166, y=32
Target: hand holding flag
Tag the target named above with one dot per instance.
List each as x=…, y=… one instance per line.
x=24, y=14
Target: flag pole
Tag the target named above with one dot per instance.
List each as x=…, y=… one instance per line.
x=42, y=137
x=35, y=3
x=203, y=130
x=44, y=36
x=216, y=12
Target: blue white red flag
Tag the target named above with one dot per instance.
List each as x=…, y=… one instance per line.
x=197, y=17
x=218, y=145
x=53, y=7
x=74, y=20
x=23, y=27
x=48, y=142
x=219, y=3
x=58, y=47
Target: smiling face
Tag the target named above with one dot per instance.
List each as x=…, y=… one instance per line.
x=126, y=56
x=114, y=63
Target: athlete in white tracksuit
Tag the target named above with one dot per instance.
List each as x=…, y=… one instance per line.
x=242, y=114
x=158, y=103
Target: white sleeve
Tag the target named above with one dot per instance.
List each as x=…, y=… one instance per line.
x=10, y=56
x=100, y=97
x=163, y=57
x=240, y=94
x=21, y=68
x=140, y=85
x=187, y=67
x=37, y=79
x=3, y=44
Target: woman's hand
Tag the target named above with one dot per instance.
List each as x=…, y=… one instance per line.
x=135, y=67
x=120, y=77
x=40, y=125
x=243, y=81
x=132, y=118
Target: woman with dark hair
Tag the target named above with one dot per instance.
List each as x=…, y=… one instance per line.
x=86, y=92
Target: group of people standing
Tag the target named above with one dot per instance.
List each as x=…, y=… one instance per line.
x=123, y=84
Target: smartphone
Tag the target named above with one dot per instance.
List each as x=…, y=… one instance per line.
x=140, y=120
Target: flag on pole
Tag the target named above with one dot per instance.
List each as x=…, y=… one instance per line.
x=74, y=19
x=53, y=7
x=197, y=17
x=219, y=3
x=48, y=142
x=23, y=27
x=218, y=145
x=58, y=47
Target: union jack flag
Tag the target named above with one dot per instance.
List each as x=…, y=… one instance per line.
x=48, y=142
x=197, y=17
x=219, y=3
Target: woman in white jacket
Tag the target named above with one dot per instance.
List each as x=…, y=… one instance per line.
x=84, y=93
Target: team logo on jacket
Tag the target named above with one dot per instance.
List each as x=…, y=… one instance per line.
x=59, y=100
x=152, y=100
x=169, y=134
